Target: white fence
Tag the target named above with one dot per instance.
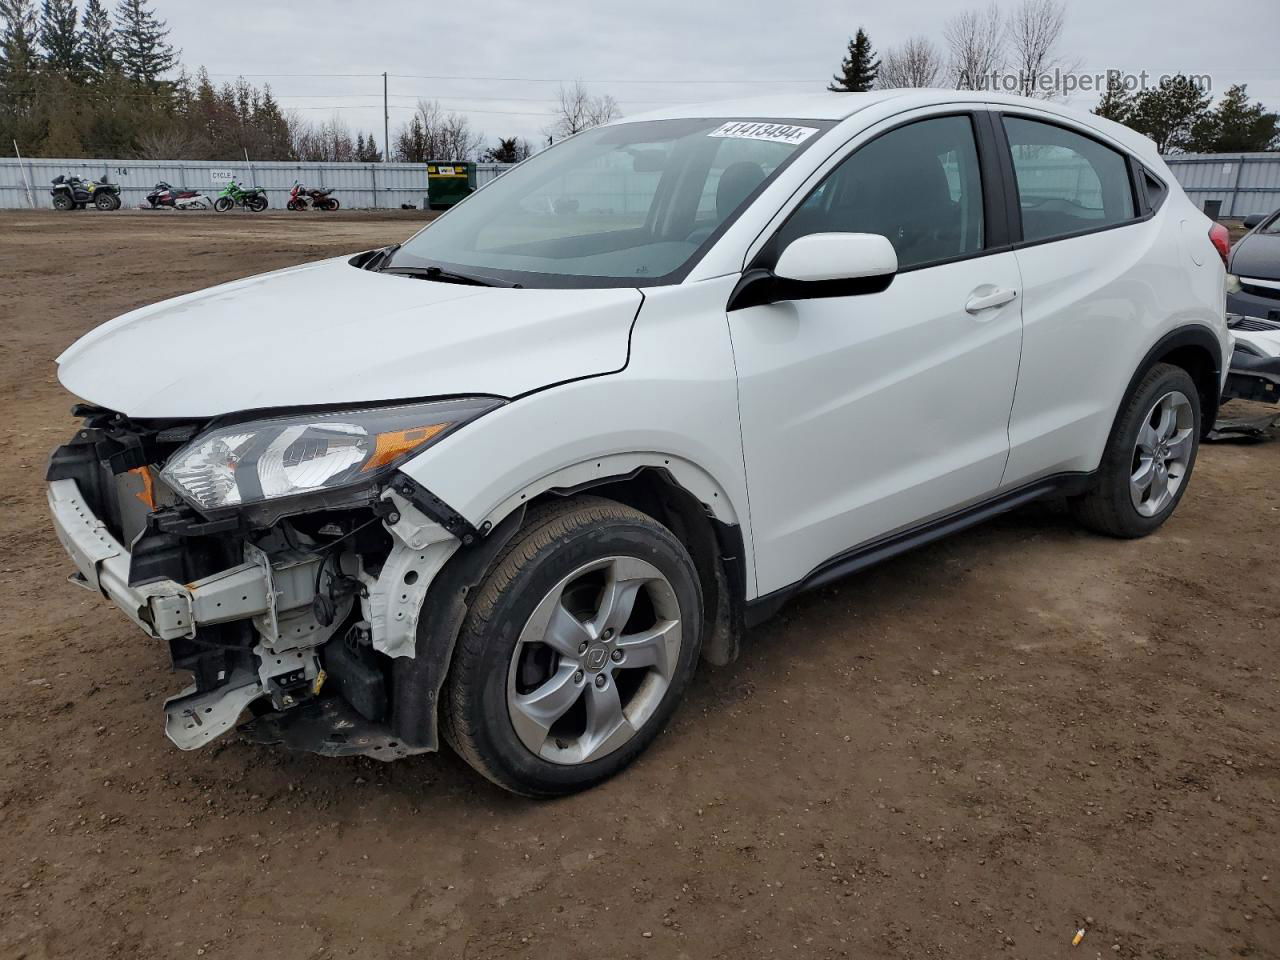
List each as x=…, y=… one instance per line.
x=1244, y=183
x=373, y=185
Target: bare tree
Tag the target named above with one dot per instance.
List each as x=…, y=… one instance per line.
x=166, y=143
x=329, y=141
x=1034, y=34
x=975, y=47
x=433, y=134
x=577, y=110
x=916, y=63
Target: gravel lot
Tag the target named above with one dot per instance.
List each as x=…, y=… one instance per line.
x=972, y=751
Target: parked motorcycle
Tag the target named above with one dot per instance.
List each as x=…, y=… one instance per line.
x=318, y=198
x=73, y=193
x=251, y=198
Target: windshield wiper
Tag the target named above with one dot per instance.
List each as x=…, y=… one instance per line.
x=449, y=276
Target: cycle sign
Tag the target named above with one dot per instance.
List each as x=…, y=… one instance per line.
x=221, y=176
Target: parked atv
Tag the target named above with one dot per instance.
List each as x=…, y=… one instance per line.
x=73, y=193
x=317, y=198
x=250, y=198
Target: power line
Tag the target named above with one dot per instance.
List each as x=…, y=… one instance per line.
x=414, y=76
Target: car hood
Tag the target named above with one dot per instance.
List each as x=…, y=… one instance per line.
x=330, y=333
x=1257, y=255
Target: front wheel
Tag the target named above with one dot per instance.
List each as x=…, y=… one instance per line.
x=103, y=201
x=576, y=650
x=63, y=202
x=331, y=204
x=1149, y=458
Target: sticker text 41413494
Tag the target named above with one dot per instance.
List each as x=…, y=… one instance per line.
x=760, y=130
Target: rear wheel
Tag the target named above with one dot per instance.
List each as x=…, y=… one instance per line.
x=222, y=204
x=1149, y=458
x=103, y=201
x=258, y=204
x=576, y=649
x=63, y=202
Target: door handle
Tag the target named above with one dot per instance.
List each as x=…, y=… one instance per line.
x=987, y=296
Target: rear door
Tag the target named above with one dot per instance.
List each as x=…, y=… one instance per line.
x=1090, y=288
x=862, y=415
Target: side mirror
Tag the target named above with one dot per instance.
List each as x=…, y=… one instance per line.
x=1253, y=219
x=826, y=257
x=820, y=265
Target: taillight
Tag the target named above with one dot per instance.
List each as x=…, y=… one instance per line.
x=1221, y=240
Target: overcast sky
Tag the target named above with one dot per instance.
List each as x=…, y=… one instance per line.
x=648, y=54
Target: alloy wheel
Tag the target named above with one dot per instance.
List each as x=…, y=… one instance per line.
x=594, y=660
x=1162, y=454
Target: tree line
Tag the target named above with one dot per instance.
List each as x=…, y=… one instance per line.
x=1021, y=52
x=108, y=83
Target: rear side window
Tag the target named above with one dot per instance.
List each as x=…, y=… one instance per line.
x=1067, y=183
x=918, y=185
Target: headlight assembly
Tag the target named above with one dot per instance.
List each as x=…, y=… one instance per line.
x=260, y=460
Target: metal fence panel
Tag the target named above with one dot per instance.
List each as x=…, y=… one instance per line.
x=371, y=185
x=1245, y=183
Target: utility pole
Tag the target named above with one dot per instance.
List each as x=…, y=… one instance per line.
x=386, y=123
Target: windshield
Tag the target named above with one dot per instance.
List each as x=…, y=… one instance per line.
x=632, y=204
x=1272, y=225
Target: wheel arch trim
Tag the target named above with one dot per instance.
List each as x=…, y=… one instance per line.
x=594, y=471
x=1193, y=335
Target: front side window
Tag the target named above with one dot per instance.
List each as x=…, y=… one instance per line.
x=624, y=205
x=918, y=185
x=1067, y=183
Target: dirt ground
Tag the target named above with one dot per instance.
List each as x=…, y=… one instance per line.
x=972, y=751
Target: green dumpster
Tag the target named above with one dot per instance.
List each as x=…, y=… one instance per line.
x=448, y=182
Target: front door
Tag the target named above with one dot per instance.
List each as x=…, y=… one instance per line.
x=862, y=415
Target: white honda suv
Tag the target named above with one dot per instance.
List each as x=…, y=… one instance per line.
x=510, y=480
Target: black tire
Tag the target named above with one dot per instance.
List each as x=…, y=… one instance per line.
x=103, y=201
x=222, y=204
x=332, y=204
x=557, y=540
x=1108, y=508
x=63, y=202
x=258, y=204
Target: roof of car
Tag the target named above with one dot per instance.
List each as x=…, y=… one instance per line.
x=838, y=106
x=790, y=106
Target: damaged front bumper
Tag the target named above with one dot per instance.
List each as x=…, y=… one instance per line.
x=304, y=632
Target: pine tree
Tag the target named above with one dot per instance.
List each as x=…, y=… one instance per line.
x=1168, y=113
x=1235, y=125
x=145, y=56
x=98, y=41
x=858, y=70
x=1117, y=102
x=18, y=41
x=60, y=39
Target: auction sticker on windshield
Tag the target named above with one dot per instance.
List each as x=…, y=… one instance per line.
x=755, y=130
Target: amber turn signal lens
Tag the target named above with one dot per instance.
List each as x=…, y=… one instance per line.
x=395, y=443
